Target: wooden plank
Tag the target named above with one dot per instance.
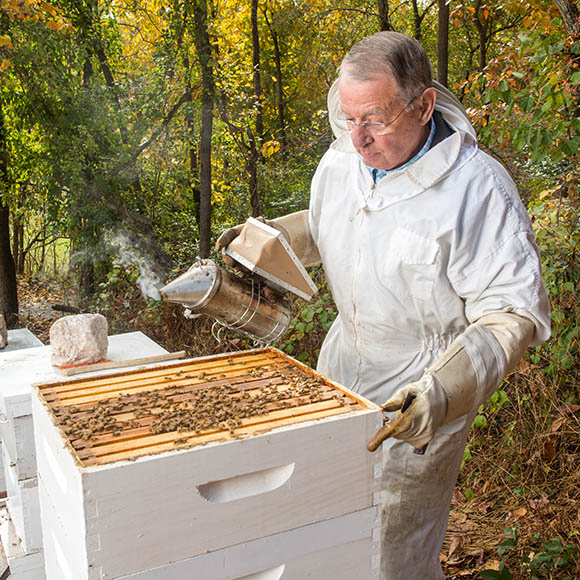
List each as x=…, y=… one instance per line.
x=78, y=370
x=83, y=397
x=174, y=440
x=192, y=365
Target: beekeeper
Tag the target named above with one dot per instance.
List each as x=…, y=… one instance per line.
x=432, y=264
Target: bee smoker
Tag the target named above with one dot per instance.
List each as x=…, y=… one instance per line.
x=246, y=305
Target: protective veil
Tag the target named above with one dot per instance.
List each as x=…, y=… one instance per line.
x=412, y=263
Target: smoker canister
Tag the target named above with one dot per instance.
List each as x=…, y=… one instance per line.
x=232, y=301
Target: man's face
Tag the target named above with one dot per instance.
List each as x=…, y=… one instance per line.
x=378, y=100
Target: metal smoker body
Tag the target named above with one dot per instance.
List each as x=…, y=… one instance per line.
x=232, y=301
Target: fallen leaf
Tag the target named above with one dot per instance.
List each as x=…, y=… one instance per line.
x=520, y=512
x=568, y=409
x=455, y=545
x=558, y=423
x=549, y=451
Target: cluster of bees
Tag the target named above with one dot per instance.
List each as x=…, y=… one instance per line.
x=213, y=402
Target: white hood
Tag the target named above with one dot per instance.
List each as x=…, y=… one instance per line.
x=447, y=104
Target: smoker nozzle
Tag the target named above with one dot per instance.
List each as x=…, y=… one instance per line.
x=194, y=288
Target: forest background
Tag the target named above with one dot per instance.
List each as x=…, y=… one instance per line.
x=132, y=132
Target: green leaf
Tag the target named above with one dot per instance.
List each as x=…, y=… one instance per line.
x=526, y=103
x=571, y=147
x=490, y=575
x=480, y=421
x=507, y=545
x=554, y=545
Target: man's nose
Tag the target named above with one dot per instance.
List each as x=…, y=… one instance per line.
x=360, y=136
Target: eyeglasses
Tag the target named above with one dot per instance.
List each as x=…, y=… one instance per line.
x=376, y=127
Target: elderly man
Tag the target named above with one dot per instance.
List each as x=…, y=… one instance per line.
x=432, y=264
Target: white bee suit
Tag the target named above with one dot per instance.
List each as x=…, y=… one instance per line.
x=412, y=262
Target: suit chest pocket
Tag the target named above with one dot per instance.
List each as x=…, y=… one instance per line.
x=410, y=267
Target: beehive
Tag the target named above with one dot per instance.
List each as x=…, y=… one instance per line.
x=141, y=469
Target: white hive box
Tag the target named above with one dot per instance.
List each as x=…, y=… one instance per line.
x=136, y=483
x=23, y=566
x=335, y=549
x=19, y=370
x=18, y=339
x=23, y=507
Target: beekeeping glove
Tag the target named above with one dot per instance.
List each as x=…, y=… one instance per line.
x=463, y=378
x=295, y=229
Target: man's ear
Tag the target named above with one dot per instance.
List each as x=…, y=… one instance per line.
x=427, y=104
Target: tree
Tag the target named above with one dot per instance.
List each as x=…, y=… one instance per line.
x=383, y=10
x=8, y=285
x=204, y=53
x=443, y=42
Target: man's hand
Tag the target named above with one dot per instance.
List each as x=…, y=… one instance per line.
x=227, y=237
x=417, y=422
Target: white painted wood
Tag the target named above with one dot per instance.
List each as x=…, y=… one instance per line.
x=65, y=554
x=2, y=476
x=23, y=507
x=138, y=515
x=20, y=338
x=18, y=440
x=341, y=548
x=23, y=566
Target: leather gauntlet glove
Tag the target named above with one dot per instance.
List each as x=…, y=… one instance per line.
x=462, y=379
x=293, y=226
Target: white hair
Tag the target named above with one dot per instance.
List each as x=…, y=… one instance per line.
x=393, y=54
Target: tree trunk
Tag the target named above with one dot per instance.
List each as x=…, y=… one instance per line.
x=204, y=52
x=417, y=21
x=482, y=28
x=256, y=69
x=383, y=9
x=281, y=134
x=443, y=42
x=8, y=286
x=252, y=165
x=192, y=150
x=20, y=255
x=571, y=15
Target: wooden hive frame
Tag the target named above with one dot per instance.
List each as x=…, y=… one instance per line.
x=126, y=415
